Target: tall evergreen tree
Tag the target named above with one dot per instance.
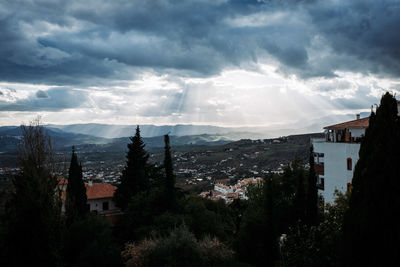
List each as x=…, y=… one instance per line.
x=272, y=221
x=169, y=174
x=134, y=177
x=371, y=230
x=76, y=200
x=33, y=212
x=312, y=193
x=300, y=196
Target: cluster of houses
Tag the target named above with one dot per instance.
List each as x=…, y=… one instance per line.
x=335, y=157
x=230, y=192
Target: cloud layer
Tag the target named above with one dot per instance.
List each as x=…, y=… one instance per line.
x=92, y=54
x=73, y=41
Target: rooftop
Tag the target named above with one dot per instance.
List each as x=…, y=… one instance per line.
x=99, y=190
x=359, y=123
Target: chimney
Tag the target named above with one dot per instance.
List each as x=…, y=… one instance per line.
x=358, y=116
x=90, y=182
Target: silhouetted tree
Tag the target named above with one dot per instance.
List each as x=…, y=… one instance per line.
x=371, y=230
x=272, y=220
x=76, y=200
x=89, y=242
x=33, y=212
x=312, y=193
x=257, y=241
x=134, y=177
x=317, y=245
x=300, y=197
x=170, y=192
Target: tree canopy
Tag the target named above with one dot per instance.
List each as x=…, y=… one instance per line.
x=134, y=178
x=170, y=191
x=371, y=232
x=76, y=200
x=311, y=212
x=33, y=211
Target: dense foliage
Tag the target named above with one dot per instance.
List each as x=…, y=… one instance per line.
x=317, y=245
x=179, y=248
x=134, y=178
x=311, y=212
x=33, y=210
x=371, y=232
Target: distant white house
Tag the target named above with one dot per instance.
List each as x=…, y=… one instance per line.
x=336, y=155
x=99, y=197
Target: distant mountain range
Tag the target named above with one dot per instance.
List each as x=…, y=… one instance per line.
x=117, y=131
x=234, y=133
x=10, y=136
x=107, y=137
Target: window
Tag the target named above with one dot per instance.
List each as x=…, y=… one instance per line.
x=88, y=207
x=349, y=164
x=105, y=205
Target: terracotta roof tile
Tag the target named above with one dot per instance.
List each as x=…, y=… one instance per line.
x=99, y=190
x=360, y=123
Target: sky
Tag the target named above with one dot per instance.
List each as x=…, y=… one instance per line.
x=216, y=62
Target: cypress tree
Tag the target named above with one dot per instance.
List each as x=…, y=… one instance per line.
x=169, y=174
x=371, y=231
x=76, y=200
x=312, y=193
x=134, y=178
x=300, y=196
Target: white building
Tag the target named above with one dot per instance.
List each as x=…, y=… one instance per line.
x=99, y=197
x=336, y=155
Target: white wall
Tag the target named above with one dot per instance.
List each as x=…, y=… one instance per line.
x=97, y=204
x=335, y=166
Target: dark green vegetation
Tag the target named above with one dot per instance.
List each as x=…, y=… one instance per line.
x=320, y=244
x=371, y=230
x=32, y=214
x=135, y=176
x=360, y=229
x=75, y=203
x=33, y=232
x=311, y=212
x=163, y=226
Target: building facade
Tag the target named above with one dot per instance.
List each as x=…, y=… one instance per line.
x=336, y=155
x=99, y=197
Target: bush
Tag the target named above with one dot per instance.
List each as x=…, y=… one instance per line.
x=179, y=248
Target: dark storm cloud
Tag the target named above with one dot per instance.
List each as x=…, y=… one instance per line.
x=85, y=42
x=54, y=99
x=41, y=94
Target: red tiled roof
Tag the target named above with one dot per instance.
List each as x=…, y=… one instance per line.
x=360, y=123
x=95, y=191
x=99, y=190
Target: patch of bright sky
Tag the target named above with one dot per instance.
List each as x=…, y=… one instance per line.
x=233, y=98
